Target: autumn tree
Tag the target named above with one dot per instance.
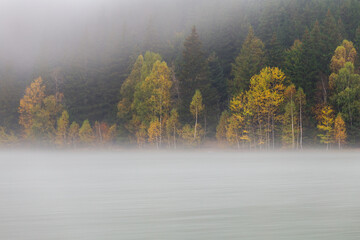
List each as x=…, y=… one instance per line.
x=238, y=127
x=158, y=85
x=62, y=129
x=86, y=133
x=232, y=131
x=340, y=131
x=38, y=113
x=128, y=88
x=133, y=107
x=33, y=98
x=343, y=54
x=154, y=132
x=326, y=125
x=265, y=95
x=73, y=134
x=247, y=63
x=196, y=108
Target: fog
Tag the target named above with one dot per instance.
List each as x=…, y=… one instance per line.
x=160, y=195
x=51, y=31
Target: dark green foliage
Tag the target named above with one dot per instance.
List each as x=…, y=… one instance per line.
x=248, y=63
x=194, y=73
x=275, y=53
x=218, y=80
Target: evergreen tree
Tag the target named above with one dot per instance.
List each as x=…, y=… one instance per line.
x=331, y=36
x=217, y=80
x=247, y=63
x=194, y=74
x=275, y=53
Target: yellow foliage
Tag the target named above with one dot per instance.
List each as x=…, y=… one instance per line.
x=34, y=95
x=343, y=53
x=326, y=124
x=154, y=132
x=340, y=130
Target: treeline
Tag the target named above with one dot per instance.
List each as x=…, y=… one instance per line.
x=289, y=81
x=164, y=108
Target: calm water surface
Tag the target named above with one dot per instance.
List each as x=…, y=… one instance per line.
x=100, y=196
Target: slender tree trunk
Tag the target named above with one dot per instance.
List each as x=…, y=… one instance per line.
x=196, y=117
x=205, y=126
x=273, y=133
x=301, y=130
x=160, y=120
x=174, y=136
x=292, y=126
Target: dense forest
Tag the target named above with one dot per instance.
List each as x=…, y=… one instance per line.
x=252, y=75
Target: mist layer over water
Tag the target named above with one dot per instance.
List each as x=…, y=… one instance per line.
x=147, y=195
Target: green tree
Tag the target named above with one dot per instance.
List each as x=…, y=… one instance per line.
x=275, y=53
x=194, y=74
x=345, y=87
x=247, y=63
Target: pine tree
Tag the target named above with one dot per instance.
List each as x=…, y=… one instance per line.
x=293, y=66
x=217, y=80
x=275, y=53
x=194, y=74
x=331, y=36
x=248, y=63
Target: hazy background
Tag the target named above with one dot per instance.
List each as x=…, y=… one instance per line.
x=56, y=29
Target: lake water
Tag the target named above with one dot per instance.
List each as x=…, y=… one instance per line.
x=201, y=195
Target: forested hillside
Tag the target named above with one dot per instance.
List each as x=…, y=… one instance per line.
x=243, y=74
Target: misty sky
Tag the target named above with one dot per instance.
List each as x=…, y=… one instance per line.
x=28, y=28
